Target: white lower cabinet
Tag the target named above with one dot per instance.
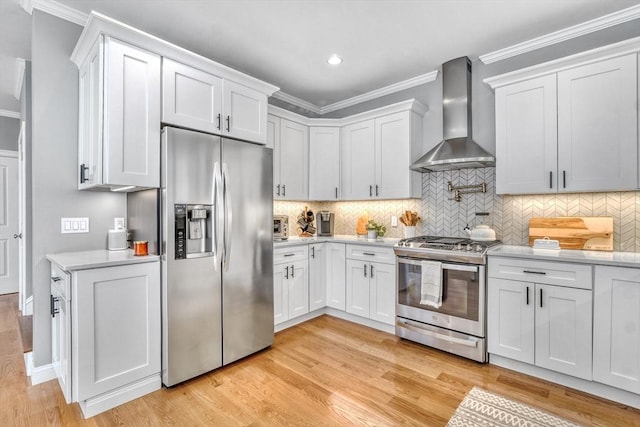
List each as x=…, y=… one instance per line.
x=616, y=330
x=290, y=283
x=106, y=348
x=336, y=276
x=540, y=323
x=318, y=273
x=370, y=285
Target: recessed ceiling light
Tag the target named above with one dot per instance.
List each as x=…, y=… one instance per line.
x=334, y=59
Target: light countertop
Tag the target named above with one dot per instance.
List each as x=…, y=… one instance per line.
x=619, y=259
x=71, y=261
x=296, y=241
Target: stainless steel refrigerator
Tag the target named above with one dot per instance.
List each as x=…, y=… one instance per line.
x=216, y=211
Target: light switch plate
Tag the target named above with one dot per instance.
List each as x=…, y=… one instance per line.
x=118, y=223
x=74, y=225
x=394, y=221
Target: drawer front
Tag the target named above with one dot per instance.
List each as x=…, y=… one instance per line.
x=369, y=253
x=291, y=254
x=551, y=273
x=60, y=280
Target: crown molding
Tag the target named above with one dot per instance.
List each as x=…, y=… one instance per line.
x=387, y=90
x=54, y=8
x=10, y=114
x=591, y=26
x=20, y=66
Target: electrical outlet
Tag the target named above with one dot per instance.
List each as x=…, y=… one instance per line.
x=394, y=221
x=118, y=223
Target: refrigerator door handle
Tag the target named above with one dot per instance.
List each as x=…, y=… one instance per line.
x=228, y=216
x=218, y=216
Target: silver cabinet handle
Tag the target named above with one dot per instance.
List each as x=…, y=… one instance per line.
x=228, y=123
x=278, y=187
x=83, y=173
x=284, y=190
x=550, y=179
x=540, y=297
x=336, y=192
x=286, y=255
x=52, y=305
x=377, y=192
x=365, y=270
x=219, y=121
x=564, y=179
x=313, y=251
x=371, y=270
x=527, y=295
x=370, y=190
x=286, y=274
x=368, y=253
x=293, y=269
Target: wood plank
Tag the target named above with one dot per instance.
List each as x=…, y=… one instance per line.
x=326, y=371
x=592, y=233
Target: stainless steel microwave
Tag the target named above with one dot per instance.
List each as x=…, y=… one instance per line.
x=280, y=227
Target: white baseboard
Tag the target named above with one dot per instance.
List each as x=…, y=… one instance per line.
x=339, y=314
x=591, y=387
x=38, y=374
x=27, y=310
x=104, y=402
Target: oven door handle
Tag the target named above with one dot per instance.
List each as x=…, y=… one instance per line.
x=469, y=342
x=457, y=267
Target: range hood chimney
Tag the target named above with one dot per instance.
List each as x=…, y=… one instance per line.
x=458, y=150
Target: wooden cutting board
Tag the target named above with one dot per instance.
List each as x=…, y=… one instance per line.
x=575, y=232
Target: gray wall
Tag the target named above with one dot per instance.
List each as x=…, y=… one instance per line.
x=54, y=164
x=9, y=130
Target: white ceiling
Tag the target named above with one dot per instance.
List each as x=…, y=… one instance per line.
x=287, y=42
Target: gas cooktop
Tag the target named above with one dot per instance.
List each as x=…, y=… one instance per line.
x=458, y=249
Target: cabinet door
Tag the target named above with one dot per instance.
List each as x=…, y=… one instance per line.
x=132, y=116
x=324, y=163
x=336, y=276
x=90, y=106
x=191, y=98
x=116, y=327
x=61, y=342
x=510, y=319
x=317, y=276
x=245, y=113
x=563, y=330
x=294, y=160
x=393, y=156
x=526, y=137
x=357, y=157
x=273, y=141
x=298, y=288
x=280, y=294
x=358, y=299
x=598, y=125
x=616, y=327
x=382, y=293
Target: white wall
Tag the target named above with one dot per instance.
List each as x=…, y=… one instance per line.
x=54, y=165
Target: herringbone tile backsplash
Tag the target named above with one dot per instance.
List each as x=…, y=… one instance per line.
x=509, y=215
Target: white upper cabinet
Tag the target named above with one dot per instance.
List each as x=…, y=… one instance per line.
x=191, y=98
x=119, y=117
x=324, y=163
x=570, y=125
x=290, y=142
x=202, y=101
x=376, y=154
x=526, y=137
x=598, y=125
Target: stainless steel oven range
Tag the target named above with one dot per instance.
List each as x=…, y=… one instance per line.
x=441, y=293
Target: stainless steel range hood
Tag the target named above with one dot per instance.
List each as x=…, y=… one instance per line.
x=458, y=150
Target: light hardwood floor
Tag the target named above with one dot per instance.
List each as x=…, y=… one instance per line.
x=325, y=372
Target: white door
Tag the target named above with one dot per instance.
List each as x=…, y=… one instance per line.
x=357, y=157
x=383, y=293
x=357, y=288
x=245, y=112
x=336, y=276
x=280, y=295
x=294, y=160
x=317, y=276
x=9, y=232
x=298, y=288
x=324, y=163
x=393, y=156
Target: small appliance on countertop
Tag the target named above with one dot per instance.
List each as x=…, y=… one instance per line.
x=325, y=223
x=280, y=227
x=117, y=238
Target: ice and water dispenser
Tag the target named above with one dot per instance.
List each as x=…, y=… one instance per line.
x=194, y=231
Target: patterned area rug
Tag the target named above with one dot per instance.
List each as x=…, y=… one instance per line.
x=481, y=408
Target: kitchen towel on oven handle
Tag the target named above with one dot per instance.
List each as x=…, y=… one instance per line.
x=431, y=284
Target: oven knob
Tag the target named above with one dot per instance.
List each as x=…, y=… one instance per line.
x=459, y=246
x=478, y=247
x=469, y=246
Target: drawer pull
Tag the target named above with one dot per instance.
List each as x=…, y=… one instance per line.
x=368, y=253
x=289, y=255
x=534, y=272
